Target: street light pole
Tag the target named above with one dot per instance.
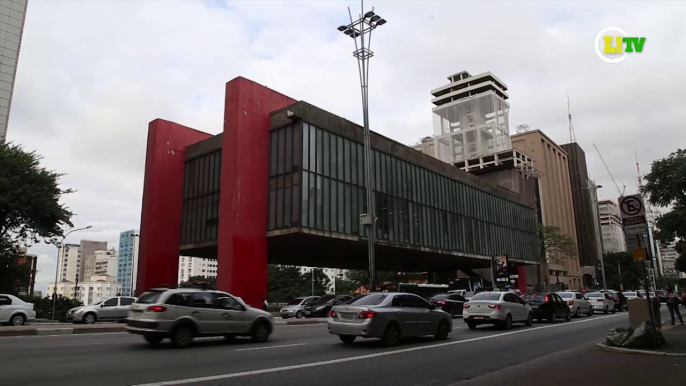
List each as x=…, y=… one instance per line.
x=362, y=28
x=60, y=250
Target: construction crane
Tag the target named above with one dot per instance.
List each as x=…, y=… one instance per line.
x=572, y=136
x=621, y=192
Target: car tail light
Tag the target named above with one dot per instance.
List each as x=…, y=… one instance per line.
x=465, y=306
x=546, y=298
x=332, y=313
x=600, y=300
x=571, y=302
x=367, y=314
x=157, y=308
x=494, y=306
x=442, y=303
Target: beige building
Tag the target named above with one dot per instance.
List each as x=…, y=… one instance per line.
x=12, y=16
x=100, y=263
x=88, y=248
x=555, y=193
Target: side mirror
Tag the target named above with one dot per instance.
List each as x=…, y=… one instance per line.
x=102, y=305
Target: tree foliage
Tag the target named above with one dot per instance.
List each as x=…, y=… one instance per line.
x=631, y=276
x=555, y=245
x=665, y=186
x=286, y=282
x=360, y=278
x=29, y=208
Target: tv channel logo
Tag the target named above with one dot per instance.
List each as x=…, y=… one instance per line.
x=613, y=44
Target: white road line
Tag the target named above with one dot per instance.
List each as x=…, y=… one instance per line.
x=266, y=347
x=361, y=357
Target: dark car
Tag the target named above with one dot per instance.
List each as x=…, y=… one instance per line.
x=450, y=303
x=322, y=307
x=548, y=306
x=619, y=305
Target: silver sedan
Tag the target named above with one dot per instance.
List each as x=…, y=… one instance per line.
x=388, y=316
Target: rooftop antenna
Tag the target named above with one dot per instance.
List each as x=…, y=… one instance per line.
x=523, y=128
x=572, y=137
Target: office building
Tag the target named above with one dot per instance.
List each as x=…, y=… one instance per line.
x=611, y=224
x=88, y=248
x=69, y=263
x=128, y=261
x=555, y=199
x=196, y=266
x=101, y=263
x=12, y=16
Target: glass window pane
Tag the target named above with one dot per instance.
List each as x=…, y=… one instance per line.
x=297, y=156
x=353, y=163
x=297, y=199
x=279, y=208
x=348, y=209
x=346, y=159
x=312, y=199
x=326, y=203
x=313, y=148
x=334, y=156
x=339, y=154
x=272, y=210
x=282, y=151
x=327, y=154
x=334, y=205
x=319, y=202
x=306, y=147
x=320, y=152
x=289, y=149
x=341, y=207
x=287, y=207
x=305, y=199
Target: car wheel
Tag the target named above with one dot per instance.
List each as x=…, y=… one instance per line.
x=606, y=310
x=299, y=315
x=260, y=333
x=472, y=326
x=614, y=310
x=182, y=337
x=347, y=339
x=590, y=311
x=391, y=336
x=553, y=317
x=507, y=324
x=18, y=320
x=229, y=337
x=452, y=314
x=442, y=331
x=153, y=339
x=89, y=318
x=578, y=312
x=529, y=320
x=569, y=316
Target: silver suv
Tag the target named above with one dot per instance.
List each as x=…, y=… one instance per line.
x=114, y=308
x=182, y=314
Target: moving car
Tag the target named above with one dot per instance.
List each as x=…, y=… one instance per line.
x=451, y=303
x=389, y=316
x=577, y=303
x=497, y=308
x=14, y=311
x=181, y=314
x=322, y=306
x=601, y=302
x=296, y=307
x=114, y=308
x=548, y=306
x=615, y=298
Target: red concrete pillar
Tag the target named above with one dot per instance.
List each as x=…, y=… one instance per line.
x=158, y=257
x=521, y=281
x=242, y=244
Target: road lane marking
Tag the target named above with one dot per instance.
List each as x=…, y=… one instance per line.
x=362, y=357
x=266, y=347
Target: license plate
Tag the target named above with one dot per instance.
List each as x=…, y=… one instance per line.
x=478, y=317
x=347, y=316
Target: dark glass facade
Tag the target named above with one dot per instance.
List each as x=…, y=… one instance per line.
x=414, y=206
x=201, y=199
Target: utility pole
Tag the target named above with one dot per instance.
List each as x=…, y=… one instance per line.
x=312, y=281
x=619, y=269
x=362, y=28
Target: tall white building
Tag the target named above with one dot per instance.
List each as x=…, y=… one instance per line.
x=98, y=288
x=69, y=261
x=611, y=224
x=12, y=16
x=101, y=263
x=196, y=266
x=127, y=269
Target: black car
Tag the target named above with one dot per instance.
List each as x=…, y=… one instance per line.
x=322, y=307
x=619, y=306
x=450, y=303
x=548, y=306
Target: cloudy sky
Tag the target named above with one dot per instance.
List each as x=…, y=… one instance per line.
x=92, y=74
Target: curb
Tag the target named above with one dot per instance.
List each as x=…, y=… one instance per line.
x=297, y=322
x=19, y=332
x=60, y=331
x=607, y=348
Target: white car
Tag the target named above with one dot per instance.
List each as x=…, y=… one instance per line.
x=14, y=311
x=601, y=302
x=577, y=303
x=498, y=308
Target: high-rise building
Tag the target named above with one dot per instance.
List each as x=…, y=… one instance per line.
x=12, y=16
x=128, y=261
x=196, y=266
x=100, y=263
x=87, y=248
x=470, y=117
x=611, y=224
x=69, y=263
x=555, y=198
x=583, y=208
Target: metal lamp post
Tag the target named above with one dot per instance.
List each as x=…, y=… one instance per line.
x=362, y=28
x=60, y=247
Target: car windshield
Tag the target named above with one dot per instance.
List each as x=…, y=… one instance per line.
x=468, y=294
x=149, y=297
x=594, y=295
x=370, y=300
x=295, y=301
x=356, y=298
x=534, y=298
x=310, y=301
x=486, y=296
x=440, y=297
x=566, y=295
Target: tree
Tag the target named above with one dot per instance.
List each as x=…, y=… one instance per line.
x=210, y=280
x=665, y=186
x=285, y=282
x=631, y=276
x=360, y=278
x=555, y=245
x=322, y=283
x=29, y=208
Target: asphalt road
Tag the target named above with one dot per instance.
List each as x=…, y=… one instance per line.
x=295, y=355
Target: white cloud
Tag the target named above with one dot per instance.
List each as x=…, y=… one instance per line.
x=93, y=74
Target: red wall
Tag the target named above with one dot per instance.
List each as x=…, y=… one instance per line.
x=158, y=257
x=242, y=244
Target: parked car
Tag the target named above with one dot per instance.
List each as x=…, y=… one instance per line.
x=497, y=308
x=389, y=316
x=548, y=306
x=114, y=308
x=296, y=307
x=630, y=294
x=615, y=299
x=322, y=306
x=14, y=311
x=451, y=303
x=662, y=295
x=601, y=302
x=577, y=303
x=181, y=314
x=469, y=295
x=460, y=292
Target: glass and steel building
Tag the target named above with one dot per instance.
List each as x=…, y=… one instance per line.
x=12, y=16
x=128, y=261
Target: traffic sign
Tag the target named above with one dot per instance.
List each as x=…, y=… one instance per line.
x=633, y=215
